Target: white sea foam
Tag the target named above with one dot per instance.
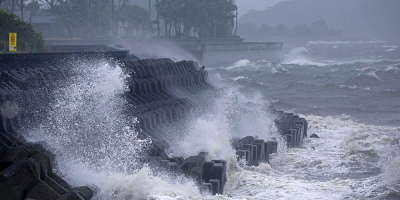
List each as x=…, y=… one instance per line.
x=86, y=120
x=353, y=87
x=213, y=131
x=242, y=65
x=210, y=135
x=391, y=46
x=298, y=57
x=318, y=171
x=373, y=75
x=141, y=184
x=238, y=78
x=297, y=173
x=238, y=64
x=344, y=42
x=392, y=175
x=85, y=126
x=392, y=67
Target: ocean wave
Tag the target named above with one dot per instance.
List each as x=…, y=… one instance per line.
x=344, y=42
x=360, y=62
x=390, y=74
x=365, y=79
x=303, y=61
x=239, y=78
x=392, y=176
x=297, y=57
x=320, y=169
x=328, y=159
x=364, y=69
x=389, y=94
x=353, y=87
x=238, y=64
x=144, y=184
x=391, y=46
x=245, y=64
x=218, y=76
x=393, y=67
x=357, y=140
x=279, y=69
x=391, y=50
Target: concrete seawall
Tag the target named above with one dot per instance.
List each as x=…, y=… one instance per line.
x=162, y=92
x=208, y=52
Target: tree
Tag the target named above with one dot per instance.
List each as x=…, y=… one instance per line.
x=136, y=17
x=204, y=18
x=10, y=23
x=34, y=7
x=86, y=17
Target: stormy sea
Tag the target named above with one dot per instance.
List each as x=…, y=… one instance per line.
x=348, y=91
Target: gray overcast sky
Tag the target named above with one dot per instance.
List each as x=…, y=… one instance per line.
x=246, y=5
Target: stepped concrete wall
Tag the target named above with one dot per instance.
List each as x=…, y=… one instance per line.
x=162, y=92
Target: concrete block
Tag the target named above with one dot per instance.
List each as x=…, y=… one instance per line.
x=215, y=186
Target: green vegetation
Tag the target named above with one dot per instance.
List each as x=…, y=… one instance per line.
x=199, y=18
x=94, y=18
x=26, y=36
x=111, y=18
x=137, y=18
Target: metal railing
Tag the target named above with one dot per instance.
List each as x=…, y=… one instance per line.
x=20, y=47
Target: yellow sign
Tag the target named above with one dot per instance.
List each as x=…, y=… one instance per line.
x=13, y=42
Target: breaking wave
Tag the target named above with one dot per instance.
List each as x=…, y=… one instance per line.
x=238, y=64
x=344, y=42
x=238, y=78
x=297, y=57
x=392, y=176
x=243, y=65
x=365, y=79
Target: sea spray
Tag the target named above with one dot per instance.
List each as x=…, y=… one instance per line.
x=392, y=176
x=86, y=124
x=233, y=115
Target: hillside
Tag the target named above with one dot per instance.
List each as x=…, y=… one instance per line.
x=357, y=18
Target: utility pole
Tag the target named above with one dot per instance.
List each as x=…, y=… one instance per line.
x=22, y=10
x=101, y=29
x=89, y=14
x=89, y=20
x=158, y=21
x=236, y=21
x=112, y=19
x=150, y=8
x=12, y=6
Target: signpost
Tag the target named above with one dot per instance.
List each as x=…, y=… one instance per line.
x=13, y=42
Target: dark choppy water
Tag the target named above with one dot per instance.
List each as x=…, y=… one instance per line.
x=328, y=78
